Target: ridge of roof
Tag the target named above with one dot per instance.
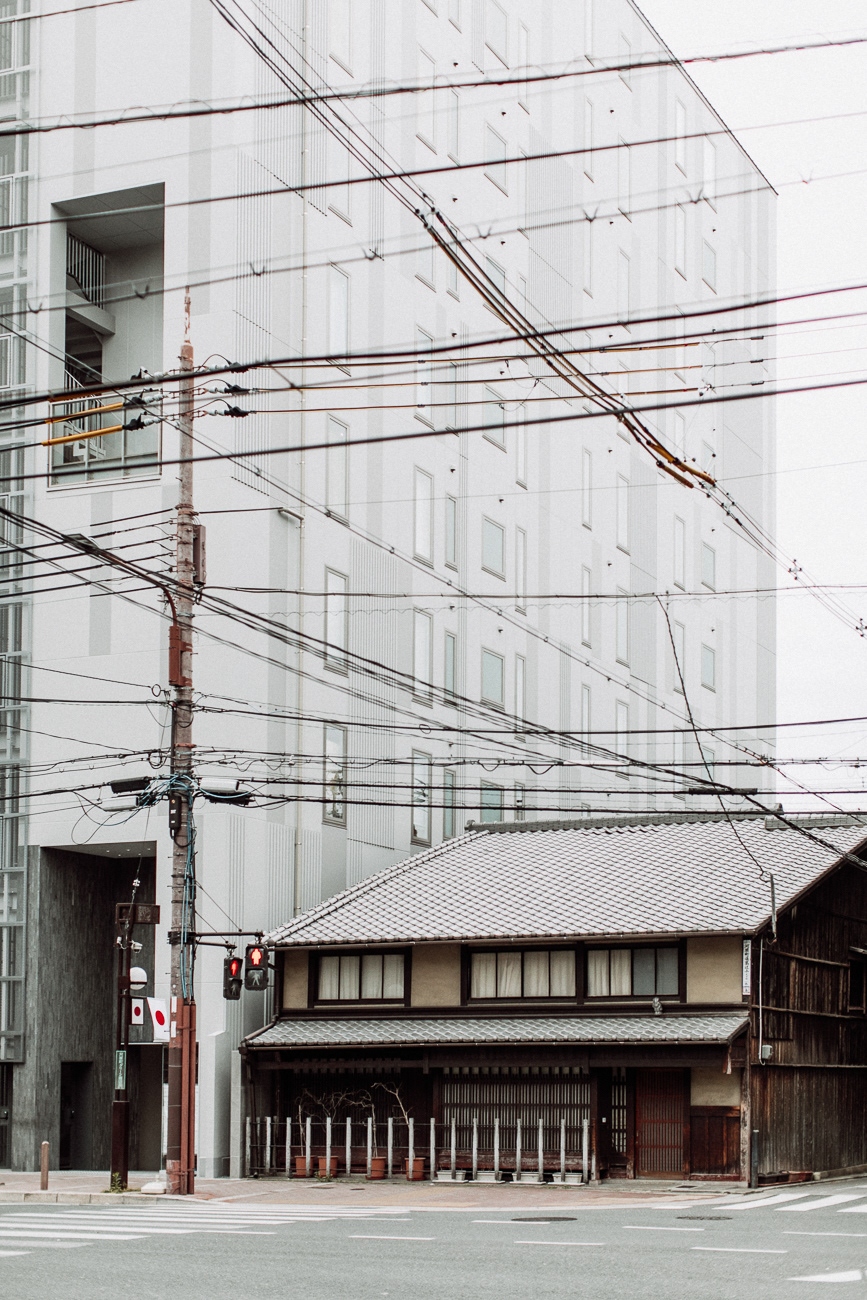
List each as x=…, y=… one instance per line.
x=773, y=821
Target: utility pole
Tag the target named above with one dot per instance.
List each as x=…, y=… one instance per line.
x=180, y=1147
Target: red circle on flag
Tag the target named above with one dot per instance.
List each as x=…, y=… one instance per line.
x=159, y=1018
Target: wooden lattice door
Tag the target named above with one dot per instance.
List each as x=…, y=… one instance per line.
x=661, y=1120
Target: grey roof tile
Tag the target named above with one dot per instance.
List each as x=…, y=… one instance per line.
x=625, y=878
x=328, y=1031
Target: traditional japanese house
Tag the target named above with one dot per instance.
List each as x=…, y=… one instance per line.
x=692, y=985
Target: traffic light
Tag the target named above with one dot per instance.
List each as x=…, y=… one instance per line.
x=256, y=967
x=232, y=978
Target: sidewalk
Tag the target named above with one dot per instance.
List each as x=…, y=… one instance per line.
x=86, y=1188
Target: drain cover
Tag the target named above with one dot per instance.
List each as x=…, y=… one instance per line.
x=560, y=1218
x=710, y=1218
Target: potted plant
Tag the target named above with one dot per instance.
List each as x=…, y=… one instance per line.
x=377, y=1162
x=416, y=1173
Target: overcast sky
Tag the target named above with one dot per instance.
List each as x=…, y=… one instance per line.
x=822, y=466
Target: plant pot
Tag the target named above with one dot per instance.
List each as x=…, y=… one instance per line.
x=416, y=1173
x=324, y=1171
x=301, y=1167
x=377, y=1167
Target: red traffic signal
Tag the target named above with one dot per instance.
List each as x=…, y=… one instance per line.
x=232, y=968
x=255, y=967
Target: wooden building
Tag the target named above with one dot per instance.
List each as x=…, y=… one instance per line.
x=692, y=985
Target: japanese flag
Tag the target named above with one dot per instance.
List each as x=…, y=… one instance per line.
x=136, y=1011
x=160, y=1017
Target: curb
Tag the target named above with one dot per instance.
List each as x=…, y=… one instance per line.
x=90, y=1198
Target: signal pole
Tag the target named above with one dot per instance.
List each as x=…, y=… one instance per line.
x=180, y=1146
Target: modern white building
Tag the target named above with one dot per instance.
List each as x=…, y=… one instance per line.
x=472, y=618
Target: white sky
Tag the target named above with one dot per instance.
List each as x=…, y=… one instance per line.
x=822, y=241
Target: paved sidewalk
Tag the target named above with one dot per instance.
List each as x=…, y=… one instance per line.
x=83, y=1188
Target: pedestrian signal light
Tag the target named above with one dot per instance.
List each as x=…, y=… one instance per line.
x=256, y=967
x=232, y=968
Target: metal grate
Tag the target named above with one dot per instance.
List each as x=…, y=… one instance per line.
x=86, y=267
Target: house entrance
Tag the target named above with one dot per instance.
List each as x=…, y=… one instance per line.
x=76, y=1129
x=661, y=1123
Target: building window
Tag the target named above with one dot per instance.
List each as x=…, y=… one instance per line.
x=335, y=620
x=621, y=613
x=493, y=548
x=455, y=13
x=340, y=165
x=361, y=977
x=680, y=136
x=709, y=162
x=708, y=566
x=857, y=984
x=632, y=972
x=337, y=469
x=679, y=553
x=340, y=33
x=626, y=61
x=493, y=678
x=621, y=737
x=708, y=667
x=521, y=570
x=426, y=100
x=588, y=256
x=497, y=31
x=587, y=488
x=622, y=508
x=423, y=349
x=521, y=448
x=425, y=266
x=421, y=800
x=334, y=776
x=708, y=265
x=495, y=158
x=532, y=973
x=338, y=315
x=624, y=286
x=520, y=802
x=422, y=625
x=423, y=516
x=495, y=418
x=588, y=146
x=680, y=240
x=451, y=532
x=624, y=178
x=491, y=802
x=453, y=108
x=586, y=579
x=450, y=787
x=523, y=63
x=586, y=718
x=520, y=691
x=678, y=635
x=450, y=664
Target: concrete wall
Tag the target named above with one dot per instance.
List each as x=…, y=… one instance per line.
x=714, y=969
x=713, y=1088
x=295, y=979
x=436, y=975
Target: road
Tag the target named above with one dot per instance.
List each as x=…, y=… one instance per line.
x=786, y=1242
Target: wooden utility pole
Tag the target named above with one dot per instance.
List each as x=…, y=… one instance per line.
x=180, y=1146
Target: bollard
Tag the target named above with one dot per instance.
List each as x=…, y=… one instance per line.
x=348, y=1146
x=562, y=1150
x=518, y=1151
x=369, y=1146
x=475, y=1148
x=390, y=1144
x=453, y=1153
x=497, y=1149
x=433, y=1149
x=267, y=1158
x=585, y=1151
x=327, y=1146
x=288, y=1147
x=308, y=1147
x=754, y=1158
x=43, y=1168
x=410, y=1164
x=541, y=1152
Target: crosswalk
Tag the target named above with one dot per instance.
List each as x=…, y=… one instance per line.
x=801, y=1203
x=66, y=1228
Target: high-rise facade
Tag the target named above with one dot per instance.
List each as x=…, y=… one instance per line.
x=477, y=234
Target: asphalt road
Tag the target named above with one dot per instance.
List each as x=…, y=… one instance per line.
x=791, y=1242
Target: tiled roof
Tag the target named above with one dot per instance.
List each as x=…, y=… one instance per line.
x=430, y=1031
x=687, y=875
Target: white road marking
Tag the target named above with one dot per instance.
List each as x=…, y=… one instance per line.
x=652, y=1227
x=558, y=1243
x=369, y=1236
x=850, y=1275
x=4, y=1253
x=740, y=1250
x=73, y=1235
x=769, y=1200
x=822, y=1203
x=792, y=1233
